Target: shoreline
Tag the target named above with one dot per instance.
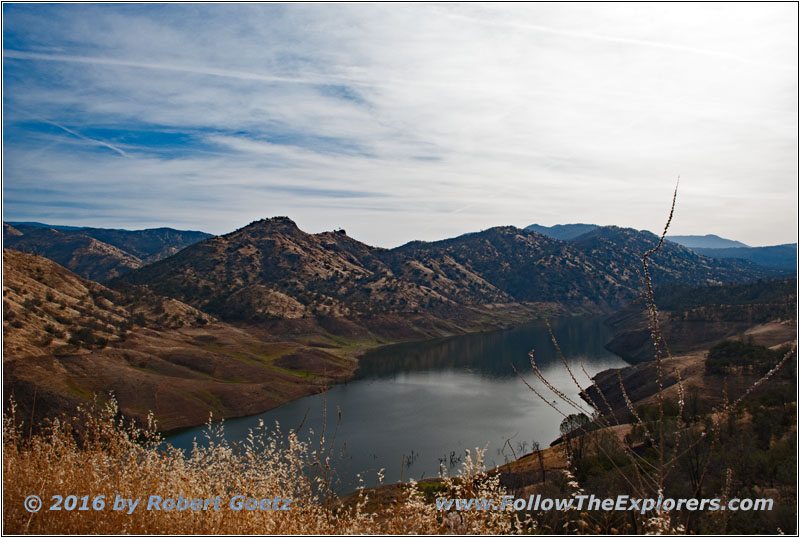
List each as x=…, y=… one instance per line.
x=498, y=321
x=691, y=364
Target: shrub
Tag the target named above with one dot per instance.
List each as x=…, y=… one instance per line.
x=83, y=337
x=726, y=356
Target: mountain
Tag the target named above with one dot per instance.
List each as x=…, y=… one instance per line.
x=271, y=269
x=80, y=253
x=621, y=249
x=67, y=339
x=775, y=257
x=97, y=253
x=619, y=252
x=705, y=241
x=564, y=232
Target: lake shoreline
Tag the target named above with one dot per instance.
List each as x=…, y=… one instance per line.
x=423, y=401
x=497, y=318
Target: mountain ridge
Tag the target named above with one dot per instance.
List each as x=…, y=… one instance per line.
x=564, y=232
x=98, y=253
x=272, y=269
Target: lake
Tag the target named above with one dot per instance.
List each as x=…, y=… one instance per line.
x=415, y=407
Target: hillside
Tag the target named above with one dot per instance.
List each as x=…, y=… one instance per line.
x=695, y=318
x=271, y=270
x=66, y=339
x=97, y=253
x=46, y=308
x=79, y=253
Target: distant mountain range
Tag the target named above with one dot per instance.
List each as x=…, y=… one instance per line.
x=780, y=257
x=43, y=225
x=705, y=241
x=97, y=253
x=775, y=257
x=568, y=232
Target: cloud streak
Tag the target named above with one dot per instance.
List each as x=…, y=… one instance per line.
x=617, y=39
x=198, y=70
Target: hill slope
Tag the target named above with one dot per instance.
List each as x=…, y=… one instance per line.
x=694, y=318
x=66, y=339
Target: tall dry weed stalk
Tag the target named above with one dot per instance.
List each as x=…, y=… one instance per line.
x=647, y=479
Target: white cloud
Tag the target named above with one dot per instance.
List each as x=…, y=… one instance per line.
x=435, y=119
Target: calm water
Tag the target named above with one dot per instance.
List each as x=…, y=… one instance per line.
x=414, y=407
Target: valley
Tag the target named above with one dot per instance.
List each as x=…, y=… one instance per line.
x=242, y=323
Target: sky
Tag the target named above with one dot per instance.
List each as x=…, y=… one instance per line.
x=402, y=122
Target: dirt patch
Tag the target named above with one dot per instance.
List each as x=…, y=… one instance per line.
x=774, y=333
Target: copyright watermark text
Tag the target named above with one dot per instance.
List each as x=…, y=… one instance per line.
x=156, y=503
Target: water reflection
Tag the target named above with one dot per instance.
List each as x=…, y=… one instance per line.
x=413, y=408
x=490, y=354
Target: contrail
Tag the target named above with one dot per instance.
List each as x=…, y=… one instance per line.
x=92, y=140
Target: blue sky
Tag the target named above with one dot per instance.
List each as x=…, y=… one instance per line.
x=403, y=121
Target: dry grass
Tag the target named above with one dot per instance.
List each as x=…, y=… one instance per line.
x=97, y=453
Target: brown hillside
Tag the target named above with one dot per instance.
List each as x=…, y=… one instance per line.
x=271, y=269
x=67, y=339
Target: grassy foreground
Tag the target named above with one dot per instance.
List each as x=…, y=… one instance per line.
x=97, y=453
